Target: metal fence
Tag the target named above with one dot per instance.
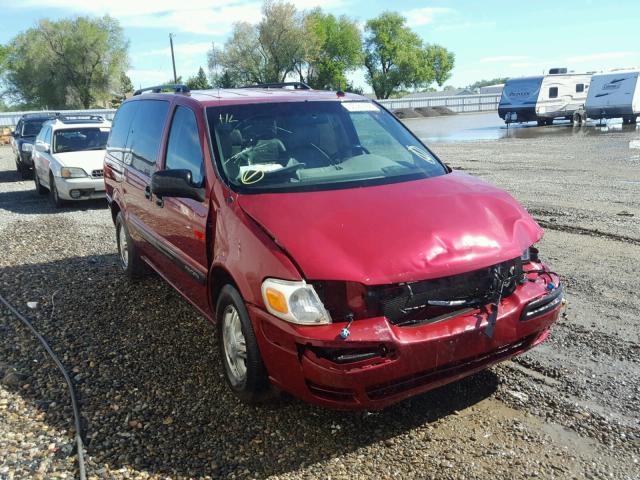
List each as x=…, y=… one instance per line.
x=457, y=103
x=10, y=119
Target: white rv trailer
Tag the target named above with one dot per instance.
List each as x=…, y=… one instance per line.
x=544, y=98
x=613, y=95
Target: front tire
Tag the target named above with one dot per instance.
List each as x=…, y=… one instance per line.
x=39, y=188
x=22, y=169
x=240, y=356
x=53, y=193
x=130, y=261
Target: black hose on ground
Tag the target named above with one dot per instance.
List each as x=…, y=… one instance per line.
x=72, y=393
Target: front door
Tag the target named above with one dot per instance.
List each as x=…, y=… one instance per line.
x=181, y=223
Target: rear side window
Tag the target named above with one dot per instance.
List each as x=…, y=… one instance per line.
x=120, y=129
x=184, y=150
x=146, y=134
x=553, y=92
x=580, y=87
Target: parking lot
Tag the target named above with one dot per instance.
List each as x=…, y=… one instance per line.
x=156, y=404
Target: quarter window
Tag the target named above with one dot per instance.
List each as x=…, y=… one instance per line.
x=120, y=129
x=146, y=133
x=580, y=87
x=184, y=150
x=553, y=92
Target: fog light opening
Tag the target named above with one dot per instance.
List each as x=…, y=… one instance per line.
x=75, y=193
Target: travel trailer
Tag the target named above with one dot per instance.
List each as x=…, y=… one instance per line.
x=544, y=98
x=613, y=95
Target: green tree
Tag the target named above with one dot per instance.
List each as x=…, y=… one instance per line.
x=198, y=81
x=67, y=63
x=266, y=52
x=333, y=47
x=397, y=58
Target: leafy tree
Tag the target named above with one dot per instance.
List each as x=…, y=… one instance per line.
x=333, y=47
x=397, y=58
x=67, y=63
x=267, y=52
x=125, y=84
x=199, y=81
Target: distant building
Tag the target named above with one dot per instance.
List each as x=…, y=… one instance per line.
x=495, y=89
x=441, y=93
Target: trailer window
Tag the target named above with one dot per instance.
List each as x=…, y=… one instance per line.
x=553, y=92
x=579, y=87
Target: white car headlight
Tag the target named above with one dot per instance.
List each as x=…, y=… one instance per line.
x=72, y=172
x=27, y=147
x=295, y=302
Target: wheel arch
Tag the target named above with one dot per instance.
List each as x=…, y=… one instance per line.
x=217, y=279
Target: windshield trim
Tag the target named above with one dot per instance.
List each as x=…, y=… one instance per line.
x=214, y=145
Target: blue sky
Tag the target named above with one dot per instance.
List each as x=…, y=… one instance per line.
x=490, y=38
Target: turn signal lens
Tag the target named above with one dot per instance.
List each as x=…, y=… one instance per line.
x=276, y=300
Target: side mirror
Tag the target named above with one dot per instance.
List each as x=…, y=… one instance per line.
x=175, y=183
x=42, y=147
x=15, y=134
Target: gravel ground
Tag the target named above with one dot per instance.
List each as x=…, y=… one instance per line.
x=155, y=404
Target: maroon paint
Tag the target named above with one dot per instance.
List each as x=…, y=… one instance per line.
x=376, y=235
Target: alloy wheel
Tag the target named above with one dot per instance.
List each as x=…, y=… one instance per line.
x=235, y=348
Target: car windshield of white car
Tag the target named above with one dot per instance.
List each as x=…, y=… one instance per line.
x=79, y=139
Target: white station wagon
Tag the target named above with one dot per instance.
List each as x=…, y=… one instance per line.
x=68, y=158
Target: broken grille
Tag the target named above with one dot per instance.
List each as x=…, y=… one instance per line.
x=438, y=299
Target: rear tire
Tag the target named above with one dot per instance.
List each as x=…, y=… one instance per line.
x=39, y=188
x=577, y=119
x=240, y=357
x=130, y=261
x=53, y=193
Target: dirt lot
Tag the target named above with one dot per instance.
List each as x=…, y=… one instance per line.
x=156, y=405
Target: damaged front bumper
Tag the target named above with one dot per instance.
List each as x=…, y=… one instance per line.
x=381, y=363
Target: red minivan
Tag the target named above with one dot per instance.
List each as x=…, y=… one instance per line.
x=342, y=261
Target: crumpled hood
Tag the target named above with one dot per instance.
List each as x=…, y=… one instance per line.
x=400, y=232
x=88, y=160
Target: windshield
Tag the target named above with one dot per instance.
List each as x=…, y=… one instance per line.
x=293, y=146
x=77, y=139
x=32, y=128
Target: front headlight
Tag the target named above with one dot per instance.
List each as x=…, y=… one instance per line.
x=72, y=172
x=295, y=302
x=27, y=147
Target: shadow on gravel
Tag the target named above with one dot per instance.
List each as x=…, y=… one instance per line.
x=29, y=202
x=151, y=389
x=7, y=176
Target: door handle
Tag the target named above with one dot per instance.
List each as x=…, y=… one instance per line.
x=147, y=192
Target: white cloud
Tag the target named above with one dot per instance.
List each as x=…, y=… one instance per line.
x=425, y=15
x=503, y=58
x=448, y=27
x=595, y=57
x=184, y=49
x=193, y=16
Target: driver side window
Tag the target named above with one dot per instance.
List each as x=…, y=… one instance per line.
x=184, y=150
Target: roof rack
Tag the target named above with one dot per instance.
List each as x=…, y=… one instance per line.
x=75, y=117
x=176, y=87
x=41, y=114
x=295, y=85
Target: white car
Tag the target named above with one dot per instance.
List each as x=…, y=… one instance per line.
x=68, y=158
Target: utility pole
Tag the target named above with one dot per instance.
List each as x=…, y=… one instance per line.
x=173, y=59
